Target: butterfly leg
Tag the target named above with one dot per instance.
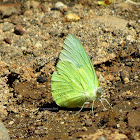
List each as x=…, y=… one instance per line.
x=92, y=107
x=85, y=103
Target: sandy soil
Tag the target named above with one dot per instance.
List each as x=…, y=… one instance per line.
x=31, y=38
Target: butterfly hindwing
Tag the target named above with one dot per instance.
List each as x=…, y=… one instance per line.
x=67, y=88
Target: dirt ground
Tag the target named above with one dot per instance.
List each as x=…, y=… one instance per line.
x=31, y=37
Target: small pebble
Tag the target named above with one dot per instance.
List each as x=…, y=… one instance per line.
x=134, y=119
x=88, y=122
x=126, y=80
x=61, y=6
x=130, y=38
x=61, y=122
x=35, y=4
x=11, y=122
x=28, y=13
x=136, y=78
x=128, y=63
x=109, y=77
x=3, y=132
x=38, y=45
x=118, y=125
x=7, y=26
x=41, y=79
x=7, y=40
x=124, y=76
x=72, y=17
x=18, y=30
x=84, y=129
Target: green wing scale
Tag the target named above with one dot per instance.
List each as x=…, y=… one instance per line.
x=74, y=82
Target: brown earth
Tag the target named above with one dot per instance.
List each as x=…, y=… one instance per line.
x=31, y=38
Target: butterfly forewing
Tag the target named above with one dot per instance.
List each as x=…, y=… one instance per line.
x=74, y=52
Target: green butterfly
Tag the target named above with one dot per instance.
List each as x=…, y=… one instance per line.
x=74, y=83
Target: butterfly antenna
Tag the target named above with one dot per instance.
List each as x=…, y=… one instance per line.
x=102, y=102
x=81, y=107
x=106, y=101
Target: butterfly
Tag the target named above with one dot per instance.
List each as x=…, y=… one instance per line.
x=74, y=83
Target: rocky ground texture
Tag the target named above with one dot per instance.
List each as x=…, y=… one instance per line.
x=31, y=38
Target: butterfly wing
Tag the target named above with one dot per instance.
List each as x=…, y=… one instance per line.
x=75, y=79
